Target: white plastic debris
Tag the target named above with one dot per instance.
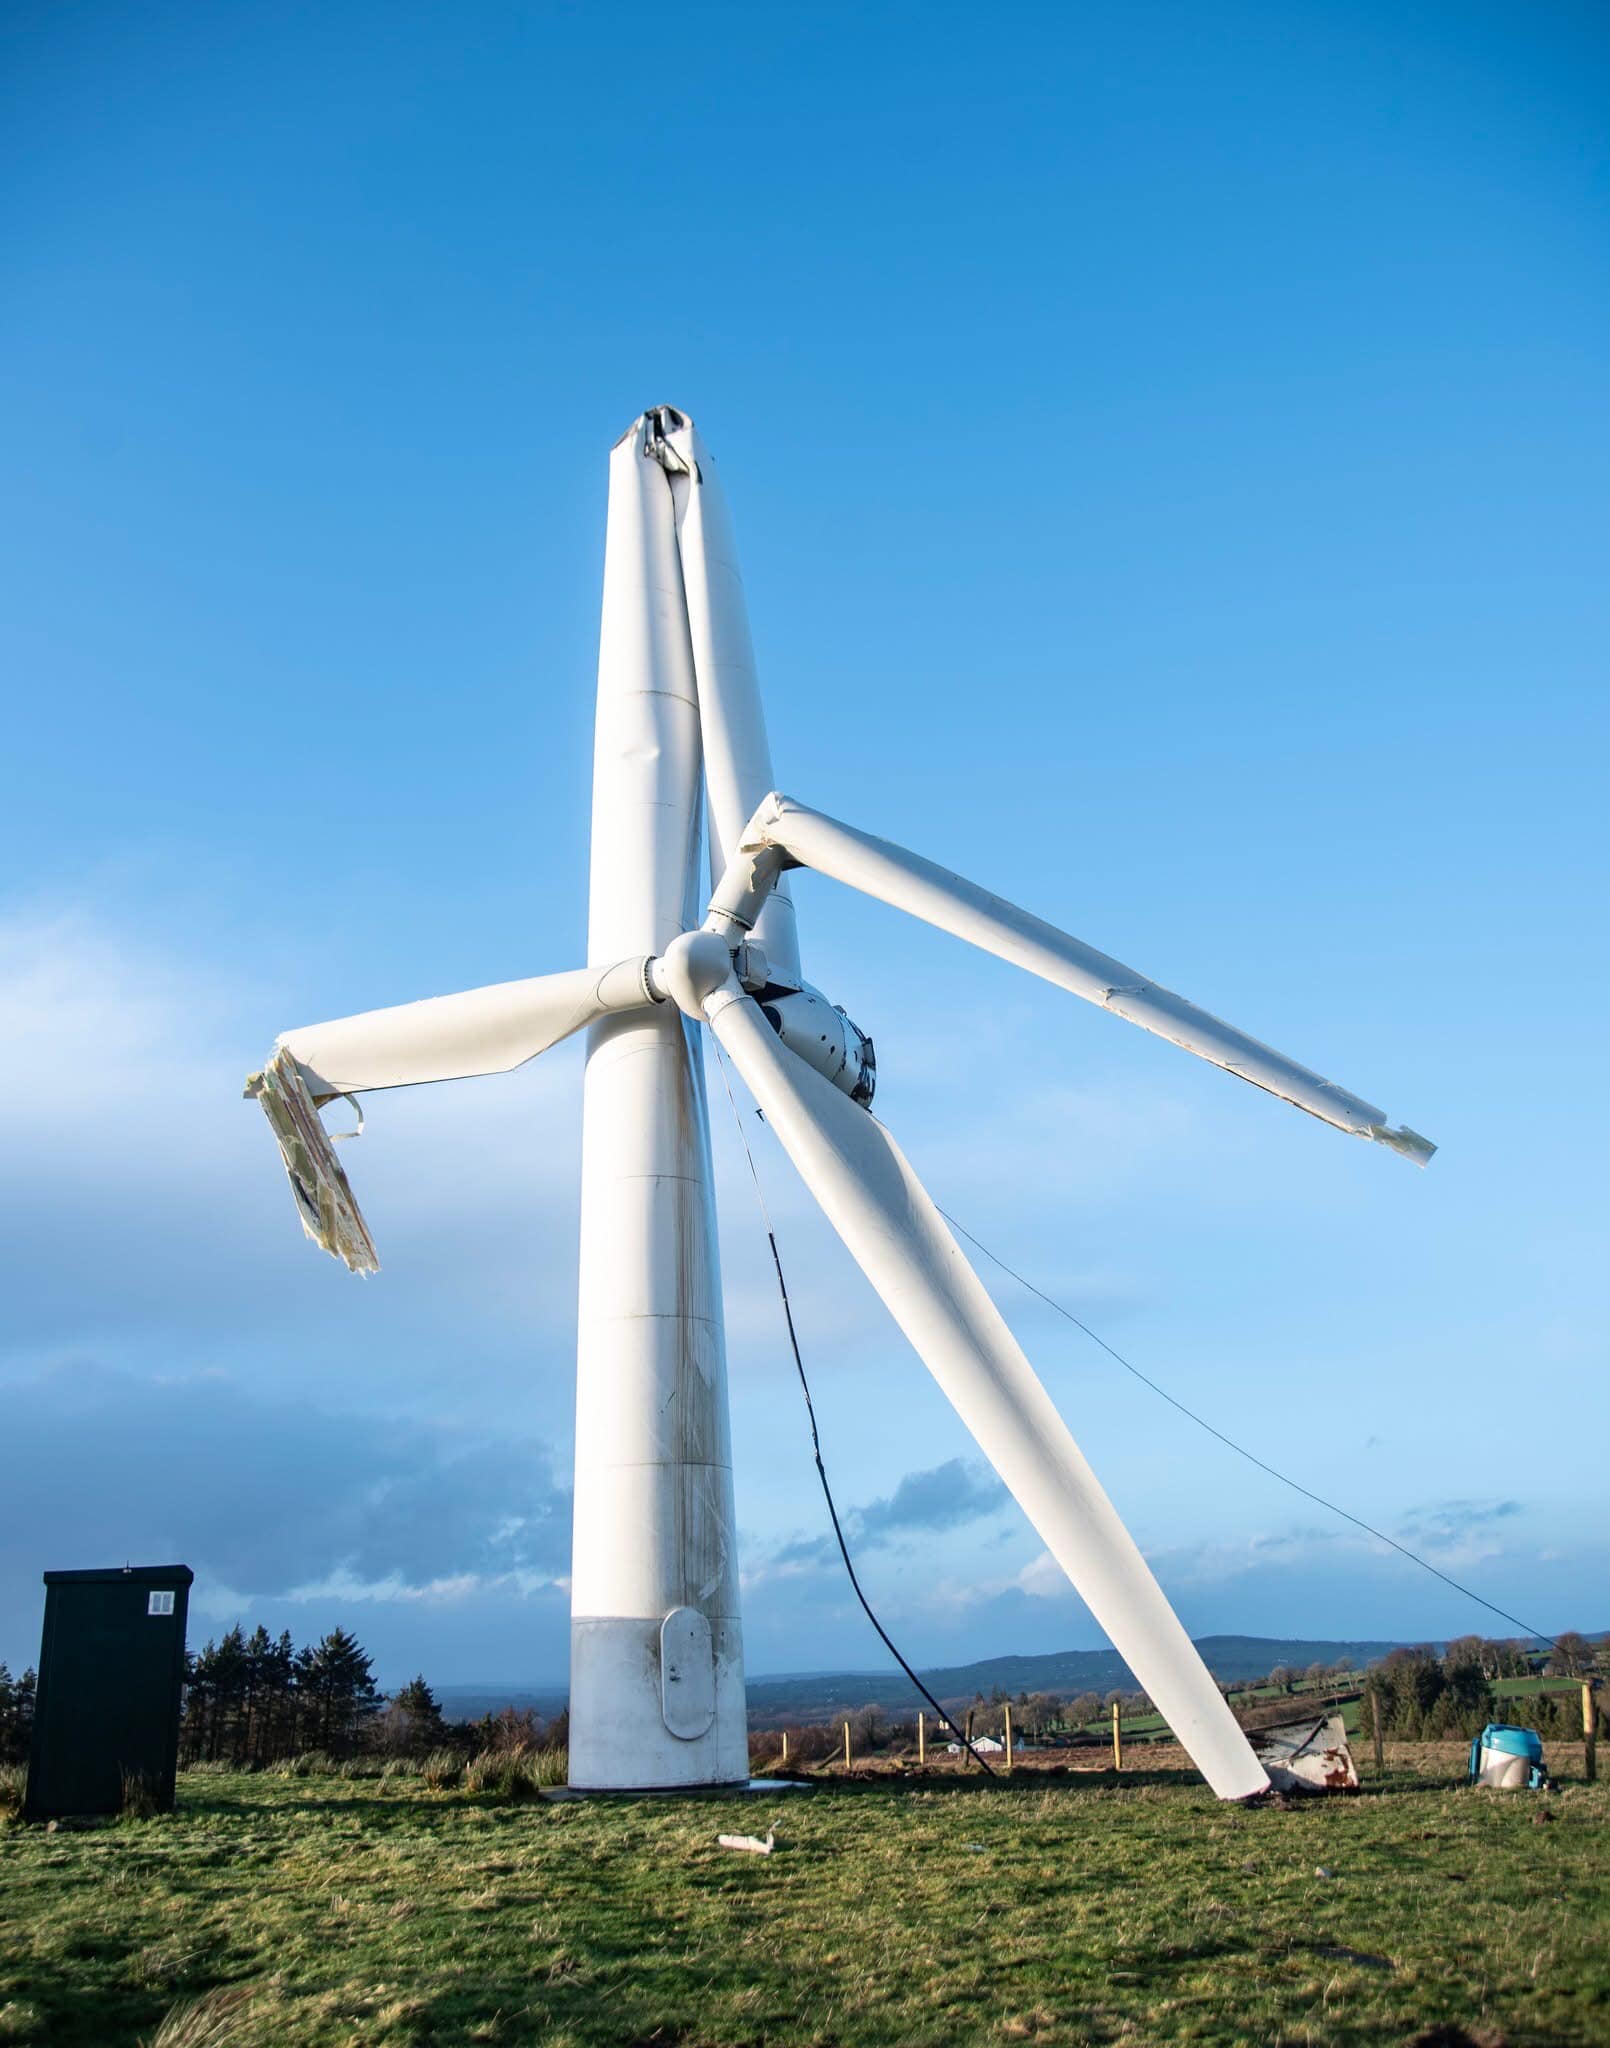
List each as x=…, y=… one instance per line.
x=753, y=1843
x=1307, y=1756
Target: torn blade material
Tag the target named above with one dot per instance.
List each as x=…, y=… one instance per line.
x=324, y=1198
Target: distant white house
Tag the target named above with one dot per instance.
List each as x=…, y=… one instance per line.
x=986, y=1745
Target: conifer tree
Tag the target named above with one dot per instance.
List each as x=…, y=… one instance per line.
x=335, y=1678
x=16, y=1715
x=412, y=1722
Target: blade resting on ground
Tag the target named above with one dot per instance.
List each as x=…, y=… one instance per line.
x=906, y=881
x=892, y=1229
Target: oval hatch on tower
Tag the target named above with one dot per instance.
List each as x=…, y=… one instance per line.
x=687, y=1673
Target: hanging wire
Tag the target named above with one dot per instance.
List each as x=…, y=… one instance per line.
x=1241, y=1450
x=816, y=1441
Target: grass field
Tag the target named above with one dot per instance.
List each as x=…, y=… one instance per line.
x=1051, y=1908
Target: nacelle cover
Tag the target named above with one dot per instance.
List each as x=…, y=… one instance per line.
x=823, y=1037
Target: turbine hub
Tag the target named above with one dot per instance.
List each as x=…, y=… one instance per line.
x=693, y=967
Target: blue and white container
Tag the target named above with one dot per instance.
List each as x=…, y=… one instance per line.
x=1510, y=1758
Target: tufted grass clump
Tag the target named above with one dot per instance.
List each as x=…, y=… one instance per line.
x=307, y=1763
x=502, y=1774
x=139, y=1797
x=13, y=1789
x=210, y=2021
x=441, y=1769
x=516, y=1773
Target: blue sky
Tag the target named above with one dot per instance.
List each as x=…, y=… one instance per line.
x=1168, y=448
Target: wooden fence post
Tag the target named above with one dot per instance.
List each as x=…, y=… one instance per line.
x=922, y=1738
x=785, y=1745
x=1375, y=1723
x=1007, y=1711
x=1117, y=1740
x=1590, y=1733
x=969, y=1728
x=846, y=1745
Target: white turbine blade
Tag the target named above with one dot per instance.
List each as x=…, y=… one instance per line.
x=447, y=1038
x=484, y=1031
x=877, y=1205
x=732, y=720
x=908, y=882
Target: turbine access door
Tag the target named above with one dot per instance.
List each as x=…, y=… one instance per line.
x=687, y=1673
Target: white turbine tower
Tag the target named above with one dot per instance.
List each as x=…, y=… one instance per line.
x=656, y=1678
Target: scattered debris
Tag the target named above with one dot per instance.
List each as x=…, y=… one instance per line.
x=1321, y=1871
x=753, y=1843
x=1306, y=1756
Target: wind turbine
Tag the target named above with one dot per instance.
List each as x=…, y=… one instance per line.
x=656, y=1675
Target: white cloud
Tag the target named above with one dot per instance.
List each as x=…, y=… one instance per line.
x=1042, y=1578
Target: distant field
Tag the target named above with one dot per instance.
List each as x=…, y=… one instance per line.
x=1506, y=1687
x=1047, y=1909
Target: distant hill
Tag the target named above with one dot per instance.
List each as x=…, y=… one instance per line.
x=773, y=1700
x=470, y=1702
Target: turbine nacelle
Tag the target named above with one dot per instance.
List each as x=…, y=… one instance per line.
x=822, y=1034
x=825, y=1037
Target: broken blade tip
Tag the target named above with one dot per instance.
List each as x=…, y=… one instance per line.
x=1402, y=1139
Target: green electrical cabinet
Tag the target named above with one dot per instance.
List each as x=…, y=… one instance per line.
x=111, y=1672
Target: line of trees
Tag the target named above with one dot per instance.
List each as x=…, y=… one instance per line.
x=1424, y=1696
x=1573, y=1656
x=250, y=1700
x=254, y=1700
x=16, y=1715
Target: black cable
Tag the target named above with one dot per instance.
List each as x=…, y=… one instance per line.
x=1241, y=1450
x=844, y=1548
x=816, y=1448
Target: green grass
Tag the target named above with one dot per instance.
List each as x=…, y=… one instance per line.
x=1040, y=1909
x=1505, y=1687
